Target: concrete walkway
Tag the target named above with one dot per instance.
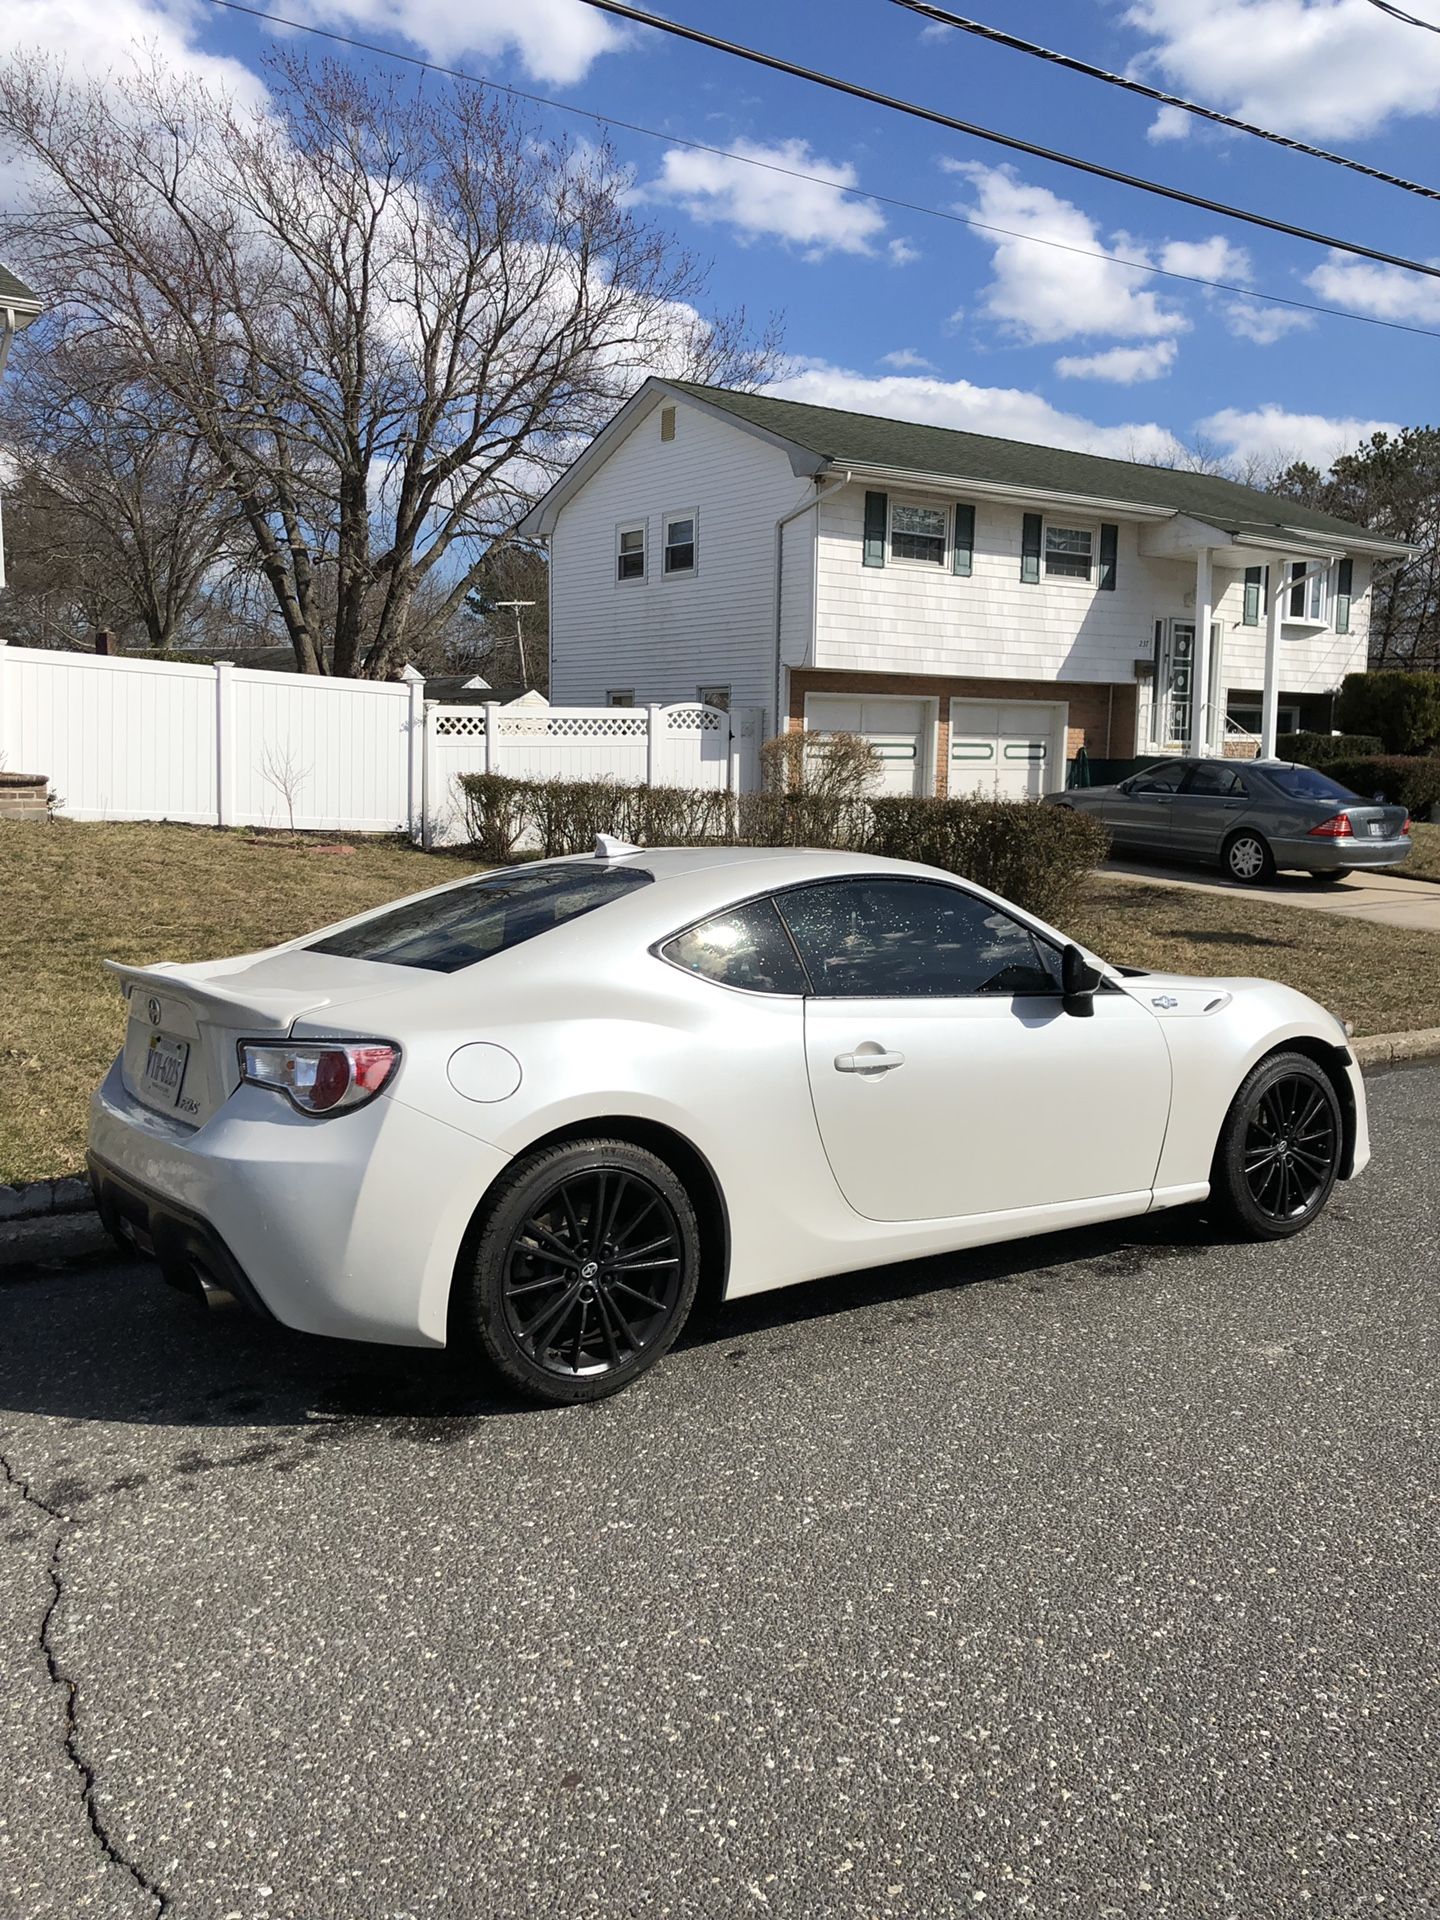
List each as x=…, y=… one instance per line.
x=1383, y=896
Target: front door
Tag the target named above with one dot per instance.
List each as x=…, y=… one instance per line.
x=1174, y=685
x=946, y=1077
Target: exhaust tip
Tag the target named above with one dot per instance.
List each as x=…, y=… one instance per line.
x=217, y=1299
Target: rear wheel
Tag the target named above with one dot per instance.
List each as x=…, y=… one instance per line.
x=1247, y=858
x=585, y=1270
x=1332, y=876
x=1279, y=1151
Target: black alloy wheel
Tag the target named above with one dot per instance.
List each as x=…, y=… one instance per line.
x=1280, y=1152
x=585, y=1270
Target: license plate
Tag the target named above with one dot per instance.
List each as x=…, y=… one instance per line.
x=165, y=1061
x=1377, y=829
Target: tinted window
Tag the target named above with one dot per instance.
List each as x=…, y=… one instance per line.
x=1210, y=779
x=451, y=930
x=913, y=938
x=1158, y=780
x=1304, y=783
x=746, y=947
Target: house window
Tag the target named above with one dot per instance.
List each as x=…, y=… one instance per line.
x=1287, y=719
x=917, y=533
x=1067, y=552
x=630, y=553
x=714, y=697
x=1308, y=597
x=620, y=697
x=679, y=543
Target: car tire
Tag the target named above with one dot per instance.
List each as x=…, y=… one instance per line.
x=1247, y=858
x=584, y=1270
x=1333, y=876
x=1279, y=1152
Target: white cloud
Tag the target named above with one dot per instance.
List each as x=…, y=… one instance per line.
x=1124, y=365
x=907, y=360
x=1316, y=68
x=1250, y=320
x=820, y=218
x=1390, y=293
x=1213, y=259
x=902, y=253
x=1011, y=412
x=94, y=40
x=555, y=40
x=1261, y=432
x=1043, y=294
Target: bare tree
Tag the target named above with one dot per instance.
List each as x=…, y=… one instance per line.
x=109, y=473
x=388, y=317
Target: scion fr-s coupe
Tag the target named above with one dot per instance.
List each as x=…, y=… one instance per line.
x=542, y=1107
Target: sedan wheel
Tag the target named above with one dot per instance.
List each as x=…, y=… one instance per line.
x=1279, y=1153
x=1248, y=859
x=585, y=1270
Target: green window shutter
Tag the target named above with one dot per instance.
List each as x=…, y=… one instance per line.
x=1251, y=615
x=964, y=537
x=1109, y=544
x=1344, y=586
x=877, y=520
x=1030, y=549
x=1297, y=594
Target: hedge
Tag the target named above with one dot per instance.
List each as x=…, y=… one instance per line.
x=1409, y=781
x=1402, y=708
x=1319, y=749
x=1034, y=855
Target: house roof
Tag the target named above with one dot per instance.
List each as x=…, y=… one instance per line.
x=866, y=440
x=14, y=292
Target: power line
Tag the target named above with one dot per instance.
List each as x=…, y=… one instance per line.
x=1010, y=140
x=815, y=179
x=1410, y=19
x=984, y=32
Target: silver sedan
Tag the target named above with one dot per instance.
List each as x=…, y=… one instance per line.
x=1249, y=817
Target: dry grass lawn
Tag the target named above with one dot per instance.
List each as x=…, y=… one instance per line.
x=74, y=894
x=1424, y=862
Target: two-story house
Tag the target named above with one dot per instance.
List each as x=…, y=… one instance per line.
x=980, y=608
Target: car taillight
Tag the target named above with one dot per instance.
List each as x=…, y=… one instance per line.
x=1337, y=829
x=332, y=1076
x=1405, y=830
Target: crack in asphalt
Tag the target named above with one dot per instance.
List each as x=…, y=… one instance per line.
x=69, y=1687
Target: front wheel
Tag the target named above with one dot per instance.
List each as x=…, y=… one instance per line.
x=585, y=1269
x=1279, y=1152
x=1248, y=859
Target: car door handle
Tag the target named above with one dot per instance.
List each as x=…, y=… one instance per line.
x=877, y=1062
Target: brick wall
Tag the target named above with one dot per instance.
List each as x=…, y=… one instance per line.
x=1101, y=716
x=22, y=796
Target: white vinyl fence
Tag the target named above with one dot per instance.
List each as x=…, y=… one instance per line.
x=230, y=746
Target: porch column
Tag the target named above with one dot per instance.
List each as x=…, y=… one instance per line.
x=1200, y=724
x=1270, y=698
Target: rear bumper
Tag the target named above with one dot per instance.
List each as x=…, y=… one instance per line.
x=1325, y=856
x=348, y=1226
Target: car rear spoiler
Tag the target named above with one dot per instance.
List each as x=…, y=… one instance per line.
x=168, y=977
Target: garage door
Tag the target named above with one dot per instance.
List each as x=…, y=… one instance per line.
x=899, y=731
x=1009, y=750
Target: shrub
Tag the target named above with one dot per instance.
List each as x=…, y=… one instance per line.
x=1319, y=749
x=828, y=766
x=1402, y=708
x=1410, y=781
x=1036, y=856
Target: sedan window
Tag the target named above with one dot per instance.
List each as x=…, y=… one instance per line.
x=1158, y=779
x=1222, y=782
x=446, y=931
x=746, y=947
x=913, y=939
x=1304, y=783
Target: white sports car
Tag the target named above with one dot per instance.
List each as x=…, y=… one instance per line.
x=544, y=1106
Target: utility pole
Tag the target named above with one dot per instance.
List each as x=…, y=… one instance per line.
x=517, y=606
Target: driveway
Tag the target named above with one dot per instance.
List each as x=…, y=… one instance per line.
x=1094, y=1577
x=1379, y=896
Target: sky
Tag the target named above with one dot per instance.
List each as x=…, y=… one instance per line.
x=904, y=312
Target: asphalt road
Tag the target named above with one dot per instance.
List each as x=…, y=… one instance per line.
x=1093, y=1577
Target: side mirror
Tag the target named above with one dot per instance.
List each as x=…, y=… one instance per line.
x=1078, y=981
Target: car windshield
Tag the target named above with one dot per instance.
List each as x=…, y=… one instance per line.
x=1304, y=783
x=454, y=929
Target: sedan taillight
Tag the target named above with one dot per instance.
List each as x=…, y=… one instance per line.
x=331, y=1076
x=1337, y=829
x=1405, y=830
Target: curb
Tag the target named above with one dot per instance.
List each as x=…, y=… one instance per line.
x=41, y=1199
x=1379, y=1049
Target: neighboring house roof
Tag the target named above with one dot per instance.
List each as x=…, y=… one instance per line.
x=824, y=439
x=15, y=293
